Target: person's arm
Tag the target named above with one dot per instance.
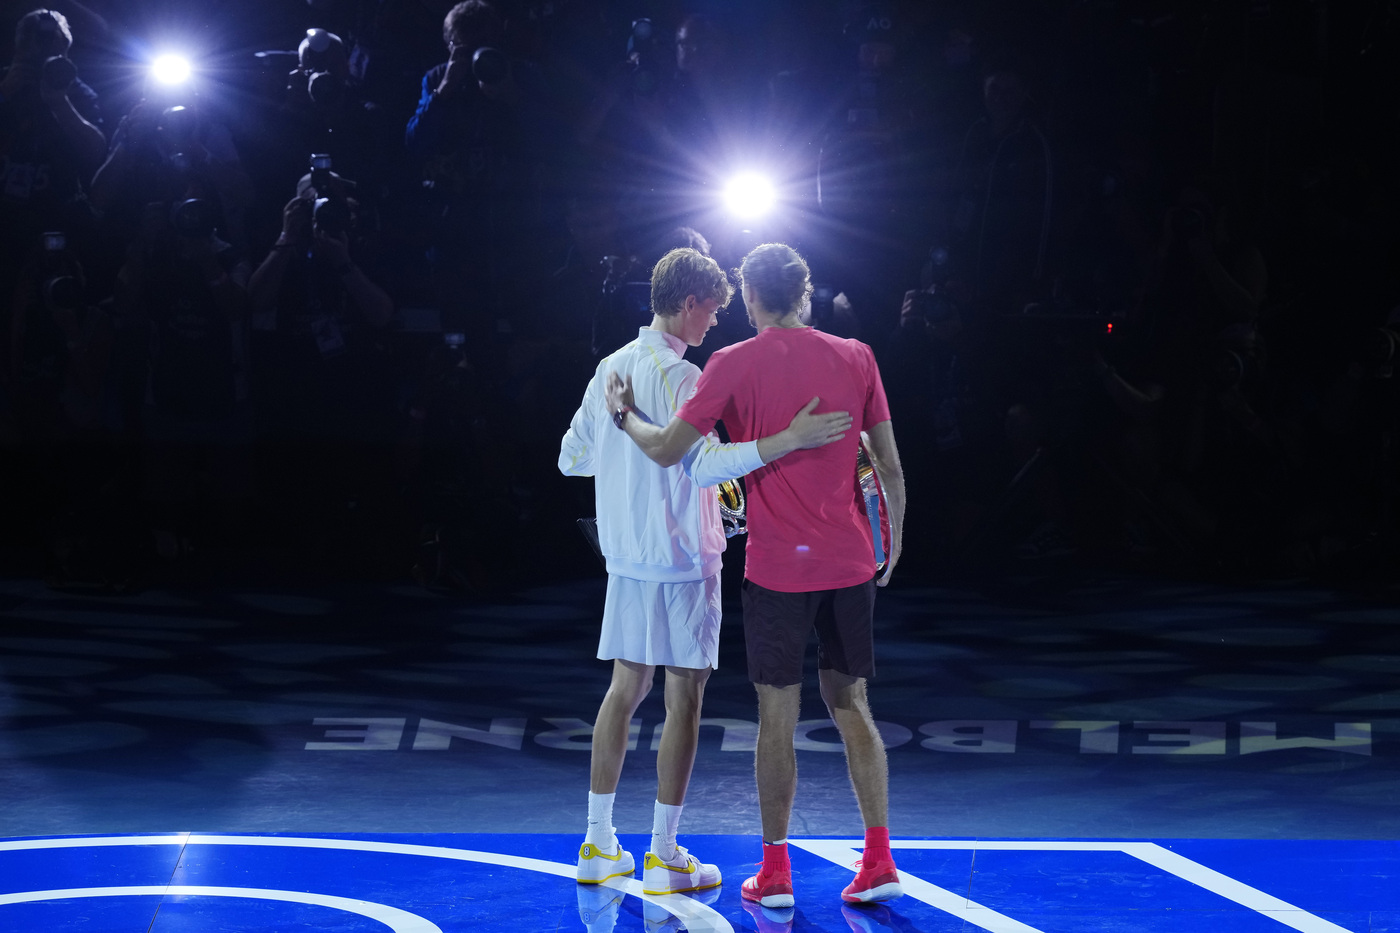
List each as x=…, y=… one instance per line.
x=577, y=446
x=710, y=462
x=669, y=444
x=884, y=456
x=1138, y=403
x=89, y=143
x=230, y=297
x=267, y=278
x=425, y=127
x=663, y=445
x=373, y=303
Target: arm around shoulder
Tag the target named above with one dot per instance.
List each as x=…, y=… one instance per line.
x=665, y=446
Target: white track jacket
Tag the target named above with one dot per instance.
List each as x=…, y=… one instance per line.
x=654, y=523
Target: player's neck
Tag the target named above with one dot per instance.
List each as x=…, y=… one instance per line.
x=667, y=324
x=763, y=320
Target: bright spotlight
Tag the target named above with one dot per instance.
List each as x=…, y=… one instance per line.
x=750, y=195
x=170, y=69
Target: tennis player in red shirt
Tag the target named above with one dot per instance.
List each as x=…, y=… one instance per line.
x=810, y=557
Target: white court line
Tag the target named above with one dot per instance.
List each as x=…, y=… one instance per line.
x=842, y=853
x=698, y=917
x=400, y=921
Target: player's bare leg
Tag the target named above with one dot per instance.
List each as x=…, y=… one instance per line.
x=878, y=879
x=680, y=735
x=631, y=682
x=865, y=751
x=775, y=760
x=601, y=856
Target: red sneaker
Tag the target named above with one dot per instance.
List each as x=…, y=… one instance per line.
x=875, y=882
x=770, y=919
x=770, y=890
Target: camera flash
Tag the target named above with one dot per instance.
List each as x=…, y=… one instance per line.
x=170, y=69
x=750, y=195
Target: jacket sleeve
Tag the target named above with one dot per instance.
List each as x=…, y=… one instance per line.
x=710, y=463
x=577, y=448
x=424, y=127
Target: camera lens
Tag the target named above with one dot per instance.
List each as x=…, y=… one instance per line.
x=193, y=218
x=490, y=66
x=330, y=216
x=59, y=72
x=63, y=291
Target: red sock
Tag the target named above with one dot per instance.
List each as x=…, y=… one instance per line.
x=877, y=845
x=775, y=857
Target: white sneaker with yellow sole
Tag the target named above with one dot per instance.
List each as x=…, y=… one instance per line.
x=684, y=873
x=596, y=866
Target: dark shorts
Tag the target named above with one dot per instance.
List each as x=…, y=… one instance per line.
x=778, y=625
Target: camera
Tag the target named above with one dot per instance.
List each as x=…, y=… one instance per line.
x=177, y=128
x=930, y=308
x=636, y=300
x=644, y=52
x=63, y=293
x=314, y=52
x=1378, y=350
x=321, y=173
x=490, y=66
x=58, y=73
x=331, y=216
x=1229, y=368
x=616, y=270
x=324, y=89
x=193, y=218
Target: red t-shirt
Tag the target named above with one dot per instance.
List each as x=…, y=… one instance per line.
x=808, y=528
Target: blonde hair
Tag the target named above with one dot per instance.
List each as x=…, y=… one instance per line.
x=684, y=272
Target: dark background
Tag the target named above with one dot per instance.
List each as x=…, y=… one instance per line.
x=1213, y=181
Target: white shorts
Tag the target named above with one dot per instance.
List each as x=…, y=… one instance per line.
x=674, y=624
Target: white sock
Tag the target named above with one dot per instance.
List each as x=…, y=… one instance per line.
x=664, y=825
x=601, y=832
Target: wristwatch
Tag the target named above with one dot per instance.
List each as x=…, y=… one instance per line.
x=620, y=414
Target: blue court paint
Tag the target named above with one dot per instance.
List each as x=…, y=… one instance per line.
x=186, y=882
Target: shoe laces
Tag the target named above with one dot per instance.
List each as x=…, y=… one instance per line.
x=859, y=864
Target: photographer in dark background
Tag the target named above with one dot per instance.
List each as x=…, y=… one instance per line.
x=1145, y=261
x=167, y=149
x=477, y=144
x=324, y=111
x=324, y=407
x=186, y=288
x=50, y=140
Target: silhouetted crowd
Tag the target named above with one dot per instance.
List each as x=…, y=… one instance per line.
x=325, y=302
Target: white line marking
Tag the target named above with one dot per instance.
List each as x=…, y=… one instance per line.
x=698, y=917
x=842, y=853
x=1228, y=887
x=400, y=921
x=82, y=842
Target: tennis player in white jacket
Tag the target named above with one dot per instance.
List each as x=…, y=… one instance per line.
x=660, y=533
